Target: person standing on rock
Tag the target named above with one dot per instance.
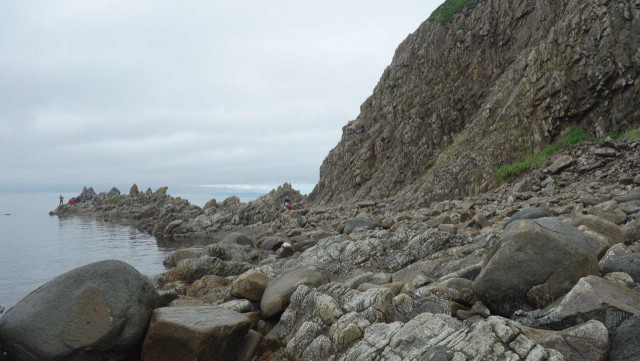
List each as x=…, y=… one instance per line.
x=61, y=200
x=287, y=203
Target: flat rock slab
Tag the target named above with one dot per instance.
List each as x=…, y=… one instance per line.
x=194, y=334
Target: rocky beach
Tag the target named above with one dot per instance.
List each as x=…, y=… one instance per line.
x=489, y=214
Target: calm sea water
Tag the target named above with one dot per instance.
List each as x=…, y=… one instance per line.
x=36, y=247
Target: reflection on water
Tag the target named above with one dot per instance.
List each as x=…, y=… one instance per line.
x=35, y=247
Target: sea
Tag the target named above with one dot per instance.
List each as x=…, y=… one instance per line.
x=36, y=247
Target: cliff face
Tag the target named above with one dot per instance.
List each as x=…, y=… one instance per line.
x=462, y=98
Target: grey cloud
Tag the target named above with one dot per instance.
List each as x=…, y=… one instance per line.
x=189, y=93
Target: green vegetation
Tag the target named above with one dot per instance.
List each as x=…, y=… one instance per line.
x=501, y=124
x=575, y=135
x=445, y=12
x=631, y=134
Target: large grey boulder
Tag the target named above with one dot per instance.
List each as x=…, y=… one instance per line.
x=586, y=342
x=194, y=333
x=278, y=293
x=95, y=312
x=602, y=226
x=530, y=213
x=592, y=298
x=537, y=262
x=628, y=263
x=180, y=255
x=624, y=341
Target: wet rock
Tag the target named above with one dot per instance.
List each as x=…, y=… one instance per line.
x=278, y=292
x=194, y=333
x=250, y=285
x=537, y=262
x=592, y=298
x=95, y=311
x=627, y=263
x=586, y=342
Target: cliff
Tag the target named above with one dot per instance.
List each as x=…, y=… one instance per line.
x=495, y=82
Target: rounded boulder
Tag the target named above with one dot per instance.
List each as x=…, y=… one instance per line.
x=96, y=312
x=537, y=262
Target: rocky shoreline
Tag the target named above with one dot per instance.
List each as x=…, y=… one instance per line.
x=545, y=267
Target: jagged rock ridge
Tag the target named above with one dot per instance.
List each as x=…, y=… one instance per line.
x=462, y=98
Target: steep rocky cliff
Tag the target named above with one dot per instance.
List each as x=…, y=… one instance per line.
x=468, y=94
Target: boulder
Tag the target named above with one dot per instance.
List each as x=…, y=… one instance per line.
x=250, y=285
x=627, y=263
x=180, y=255
x=631, y=196
x=610, y=211
x=194, y=333
x=358, y=222
x=193, y=269
x=624, y=341
x=602, y=226
x=238, y=238
x=586, y=342
x=96, y=312
x=529, y=213
x=614, y=252
x=561, y=163
x=278, y=293
x=592, y=298
x=162, y=190
x=537, y=262
x=285, y=251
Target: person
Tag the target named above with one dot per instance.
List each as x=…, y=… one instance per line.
x=61, y=200
x=287, y=203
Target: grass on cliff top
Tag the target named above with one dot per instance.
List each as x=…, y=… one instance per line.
x=632, y=134
x=575, y=135
x=445, y=12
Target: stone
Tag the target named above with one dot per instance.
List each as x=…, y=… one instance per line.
x=529, y=213
x=249, y=346
x=449, y=228
x=602, y=226
x=609, y=211
x=162, y=191
x=94, y=312
x=605, y=152
x=537, y=262
x=271, y=243
x=134, y=192
x=238, y=238
x=193, y=269
x=285, y=251
x=624, y=341
x=631, y=196
x=250, y=285
x=524, y=185
x=561, y=163
x=211, y=204
x=614, y=252
x=278, y=292
x=592, y=298
x=627, y=263
x=355, y=223
x=194, y=333
x=621, y=278
x=180, y=255
x=586, y=342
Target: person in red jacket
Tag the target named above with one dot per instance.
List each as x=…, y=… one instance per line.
x=287, y=203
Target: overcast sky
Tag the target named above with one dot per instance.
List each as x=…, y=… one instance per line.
x=186, y=93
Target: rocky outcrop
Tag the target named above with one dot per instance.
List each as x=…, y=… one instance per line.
x=462, y=98
x=94, y=312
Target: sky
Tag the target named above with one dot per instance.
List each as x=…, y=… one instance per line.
x=247, y=94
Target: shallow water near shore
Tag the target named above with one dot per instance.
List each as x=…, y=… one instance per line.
x=36, y=247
